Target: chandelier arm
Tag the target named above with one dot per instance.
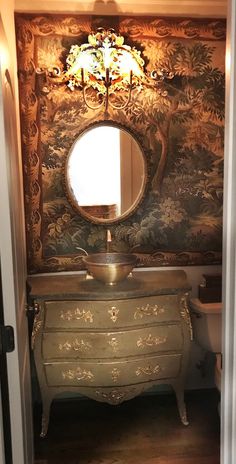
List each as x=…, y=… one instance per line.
x=91, y=107
x=128, y=99
x=122, y=106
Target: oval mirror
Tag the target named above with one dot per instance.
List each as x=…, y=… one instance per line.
x=105, y=173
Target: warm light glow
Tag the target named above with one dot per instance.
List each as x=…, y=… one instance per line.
x=107, y=56
x=106, y=65
x=227, y=60
x=84, y=61
x=127, y=63
x=4, y=56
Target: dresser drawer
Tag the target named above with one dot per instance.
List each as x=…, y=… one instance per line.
x=112, y=344
x=107, y=314
x=91, y=373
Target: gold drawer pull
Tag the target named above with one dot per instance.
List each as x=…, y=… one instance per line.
x=113, y=313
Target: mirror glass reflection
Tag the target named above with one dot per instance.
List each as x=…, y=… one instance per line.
x=105, y=173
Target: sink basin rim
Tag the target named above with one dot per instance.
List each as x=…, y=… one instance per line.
x=121, y=259
x=110, y=268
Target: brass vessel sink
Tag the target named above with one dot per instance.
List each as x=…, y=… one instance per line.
x=110, y=268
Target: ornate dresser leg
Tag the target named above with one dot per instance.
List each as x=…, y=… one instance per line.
x=45, y=416
x=179, y=392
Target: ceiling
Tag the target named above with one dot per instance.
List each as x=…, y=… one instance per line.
x=195, y=8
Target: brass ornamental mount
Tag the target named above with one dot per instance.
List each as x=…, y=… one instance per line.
x=104, y=67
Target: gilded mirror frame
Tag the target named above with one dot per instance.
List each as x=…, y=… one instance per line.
x=134, y=206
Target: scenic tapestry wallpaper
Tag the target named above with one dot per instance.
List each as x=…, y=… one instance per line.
x=181, y=132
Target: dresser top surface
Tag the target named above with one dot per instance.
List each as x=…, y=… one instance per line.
x=78, y=286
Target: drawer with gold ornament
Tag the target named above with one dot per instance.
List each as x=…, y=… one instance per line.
x=116, y=344
x=111, y=314
x=107, y=373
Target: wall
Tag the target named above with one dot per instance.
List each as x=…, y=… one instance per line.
x=183, y=201
x=193, y=8
x=179, y=220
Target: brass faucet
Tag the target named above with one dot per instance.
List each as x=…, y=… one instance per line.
x=108, y=240
x=82, y=249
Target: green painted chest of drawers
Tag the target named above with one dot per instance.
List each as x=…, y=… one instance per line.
x=110, y=343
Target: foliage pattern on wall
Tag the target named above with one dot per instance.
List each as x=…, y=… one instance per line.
x=179, y=221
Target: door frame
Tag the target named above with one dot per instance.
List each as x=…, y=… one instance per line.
x=2, y=448
x=228, y=390
x=228, y=395
x=13, y=257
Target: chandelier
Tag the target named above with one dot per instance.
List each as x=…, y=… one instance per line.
x=107, y=66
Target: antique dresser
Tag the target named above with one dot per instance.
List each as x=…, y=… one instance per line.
x=110, y=343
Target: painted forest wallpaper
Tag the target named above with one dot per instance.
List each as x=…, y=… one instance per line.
x=181, y=132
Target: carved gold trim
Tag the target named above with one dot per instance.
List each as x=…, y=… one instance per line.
x=114, y=313
x=78, y=374
x=77, y=314
x=115, y=373
x=148, y=310
x=36, y=327
x=114, y=396
x=113, y=343
x=151, y=341
x=184, y=311
x=76, y=345
x=148, y=370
